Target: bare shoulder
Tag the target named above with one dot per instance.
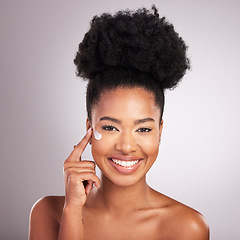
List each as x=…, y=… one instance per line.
x=189, y=223
x=49, y=206
x=182, y=222
x=45, y=217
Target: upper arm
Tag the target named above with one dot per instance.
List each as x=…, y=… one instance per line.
x=43, y=222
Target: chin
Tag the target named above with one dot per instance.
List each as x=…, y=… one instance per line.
x=126, y=181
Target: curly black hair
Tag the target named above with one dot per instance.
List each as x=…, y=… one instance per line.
x=129, y=49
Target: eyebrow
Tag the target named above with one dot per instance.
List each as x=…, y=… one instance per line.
x=110, y=119
x=144, y=120
x=135, y=122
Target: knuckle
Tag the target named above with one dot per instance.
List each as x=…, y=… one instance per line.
x=66, y=161
x=65, y=166
x=67, y=172
x=68, y=165
x=73, y=178
x=93, y=164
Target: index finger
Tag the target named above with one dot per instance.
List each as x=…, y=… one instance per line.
x=75, y=155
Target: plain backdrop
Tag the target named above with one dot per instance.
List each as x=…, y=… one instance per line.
x=43, y=107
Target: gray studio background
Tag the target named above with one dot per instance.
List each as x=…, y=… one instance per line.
x=43, y=107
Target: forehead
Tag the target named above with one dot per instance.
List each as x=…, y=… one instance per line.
x=126, y=103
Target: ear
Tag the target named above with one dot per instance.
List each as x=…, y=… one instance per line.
x=88, y=125
x=160, y=130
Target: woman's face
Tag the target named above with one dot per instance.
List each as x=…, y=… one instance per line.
x=126, y=135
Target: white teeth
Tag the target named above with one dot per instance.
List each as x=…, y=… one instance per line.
x=125, y=163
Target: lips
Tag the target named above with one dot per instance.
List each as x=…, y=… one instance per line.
x=125, y=164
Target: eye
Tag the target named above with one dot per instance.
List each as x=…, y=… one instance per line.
x=143, y=130
x=109, y=128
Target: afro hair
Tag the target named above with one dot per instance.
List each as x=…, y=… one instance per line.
x=139, y=40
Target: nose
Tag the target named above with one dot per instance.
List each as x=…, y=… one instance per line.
x=126, y=143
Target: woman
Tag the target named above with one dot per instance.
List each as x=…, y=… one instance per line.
x=129, y=59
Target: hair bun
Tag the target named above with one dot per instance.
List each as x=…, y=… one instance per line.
x=139, y=40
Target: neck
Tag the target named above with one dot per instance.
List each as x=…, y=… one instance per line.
x=121, y=200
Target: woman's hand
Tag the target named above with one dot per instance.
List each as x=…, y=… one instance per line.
x=79, y=176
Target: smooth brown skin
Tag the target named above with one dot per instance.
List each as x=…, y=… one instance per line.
x=124, y=206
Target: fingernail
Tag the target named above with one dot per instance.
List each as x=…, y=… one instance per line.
x=89, y=130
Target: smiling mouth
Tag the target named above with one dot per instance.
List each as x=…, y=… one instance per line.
x=126, y=164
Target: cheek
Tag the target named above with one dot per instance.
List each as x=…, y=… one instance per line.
x=97, y=135
x=149, y=145
x=101, y=146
